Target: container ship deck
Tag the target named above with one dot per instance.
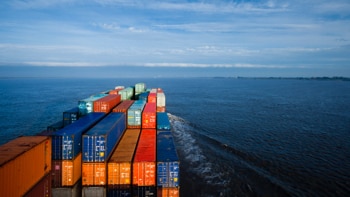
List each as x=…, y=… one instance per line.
x=113, y=143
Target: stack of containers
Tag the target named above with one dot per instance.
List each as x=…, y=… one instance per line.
x=144, y=164
x=160, y=100
x=135, y=114
x=168, y=165
x=107, y=103
x=120, y=165
x=24, y=163
x=116, y=90
x=139, y=88
x=143, y=96
x=163, y=122
x=66, y=153
x=70, y=116
x=152, y=96
x=87, y=105
x=127, y=93
x=98, y=144
x=149, y=116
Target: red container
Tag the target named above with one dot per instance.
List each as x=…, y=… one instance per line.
x=123, y=106
x=56, y=173
x=107, y=103
x=168, y=192
x=42, y=188
x=149, y=116
x=152, y=97
x=144, y=164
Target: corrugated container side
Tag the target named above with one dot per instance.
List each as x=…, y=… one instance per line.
x=143, y=96
x=25, y=157
x=107, y=103
x=163, y=122
x=70, y=116
x=94, y=174
x=113, y=92
x=149, y=116
x=99, y=142
x=140, y=87
x=94, y=192
x=87, y=105
x=152, y=98
x=119, y=165
x=135, y=114
x=74, y=191
x=119, y=190
x=71, y=171
x=127, y=93
x=56, y=173
x=147, y=191
x=168, y=192
x=160, y=99
x=144, y=164
x=42, y=188
x=66, y=143
x=123, y=106
x=168, y=164
x=161, y=109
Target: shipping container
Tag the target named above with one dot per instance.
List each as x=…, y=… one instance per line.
x=23, y=162
x=66, y=143
x=168, y=192
x=152, y=97
x=87, y=105
x=140, y=87
x=107, y=103
x=160, y=99
x=163, y=122
x=144, y=164
x=42, y=188
x=144, y=191
x=55, y=127
x=66, y=172
x=142, y=96
x=99, y=141
x=135, y=114
x=74, y=191
x=149, y=116
x=94, y=174
x=119, y=165
x=119, y=190
x=123, y=106
x=70, y=116
x=94, y=192
x=168, y=164
x=127, y=93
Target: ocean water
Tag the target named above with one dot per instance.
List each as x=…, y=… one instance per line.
x=234, y=137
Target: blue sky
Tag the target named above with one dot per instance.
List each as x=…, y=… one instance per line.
x=211, y=37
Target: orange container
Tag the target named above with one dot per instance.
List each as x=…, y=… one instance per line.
x=119, y=165
x=23, y=162
x=94, y=174
x=123, y=106
x=71, y=171
x=144, y=164
x=149, y=116
x=161, y=109
x=168, y=192
x=107, y=103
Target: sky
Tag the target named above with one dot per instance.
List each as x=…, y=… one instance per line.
x=277, y=38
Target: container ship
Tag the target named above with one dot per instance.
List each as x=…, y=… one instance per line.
x=114, y=143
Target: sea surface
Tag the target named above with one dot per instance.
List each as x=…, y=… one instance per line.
x=234, y=137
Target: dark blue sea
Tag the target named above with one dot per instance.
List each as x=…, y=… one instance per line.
x=234, y=137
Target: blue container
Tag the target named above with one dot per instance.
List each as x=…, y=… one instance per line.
x=168, y=164
x=70, y=116
x=87, y=105
x=143, y=96
x=163, y=122
x=66, y=143
x=55, y=127
x=99, y=141
x=135, y=113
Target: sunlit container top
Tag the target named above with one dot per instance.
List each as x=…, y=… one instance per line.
x=127, y=93
x=140, y=87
